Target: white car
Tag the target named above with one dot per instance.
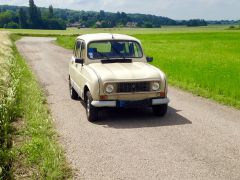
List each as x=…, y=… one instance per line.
x=111, y=70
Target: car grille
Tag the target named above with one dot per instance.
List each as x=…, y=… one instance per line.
x=133, y=87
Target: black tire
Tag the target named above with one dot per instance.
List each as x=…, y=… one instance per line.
x=73, y=93
x=160, y=110
x=92, y=112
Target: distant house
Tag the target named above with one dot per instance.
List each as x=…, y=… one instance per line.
x=131, y=24
x=76, y=25
x=103, y=24
x=82, y=26
x=98, y=23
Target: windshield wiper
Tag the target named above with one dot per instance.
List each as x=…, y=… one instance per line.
x=116, y=61
x=103, y=55
x=119, y=53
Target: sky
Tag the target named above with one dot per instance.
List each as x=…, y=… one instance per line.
x=175, y=9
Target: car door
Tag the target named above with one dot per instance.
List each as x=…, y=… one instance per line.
x=81, y=67
x=75, y=68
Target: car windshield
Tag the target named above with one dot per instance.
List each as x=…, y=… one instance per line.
x=114, y=49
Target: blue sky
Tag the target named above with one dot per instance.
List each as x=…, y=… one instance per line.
x=176, y=9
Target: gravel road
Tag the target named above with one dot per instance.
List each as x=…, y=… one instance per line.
x=198, y=139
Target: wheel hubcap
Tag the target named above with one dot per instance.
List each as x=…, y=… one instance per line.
x=88, y=107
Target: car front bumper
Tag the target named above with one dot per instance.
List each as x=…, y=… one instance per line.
x=148, y=102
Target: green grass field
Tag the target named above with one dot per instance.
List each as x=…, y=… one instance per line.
x=205, y=62
x=131, y=31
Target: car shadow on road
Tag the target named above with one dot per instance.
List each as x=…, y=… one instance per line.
x=139, y=118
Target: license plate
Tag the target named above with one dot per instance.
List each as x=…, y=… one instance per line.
x=122, y=104
x=135, y=104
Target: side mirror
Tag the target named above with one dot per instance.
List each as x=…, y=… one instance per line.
x=79, y=61
x=149, y=59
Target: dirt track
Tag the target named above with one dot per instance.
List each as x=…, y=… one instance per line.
x=198, y=139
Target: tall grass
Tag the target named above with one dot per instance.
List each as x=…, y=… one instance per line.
x=9, y=83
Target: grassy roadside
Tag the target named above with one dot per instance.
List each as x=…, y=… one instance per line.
x=206, y=64
x=9, y=85
x=35, y=153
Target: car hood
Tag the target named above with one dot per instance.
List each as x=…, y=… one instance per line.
x=126, y=71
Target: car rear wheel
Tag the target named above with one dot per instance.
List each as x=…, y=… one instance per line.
x=73, y=93
x=160, y=110
x=92, y=112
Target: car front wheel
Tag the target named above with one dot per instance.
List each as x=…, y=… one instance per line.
x=160, y=110
x=92, y=112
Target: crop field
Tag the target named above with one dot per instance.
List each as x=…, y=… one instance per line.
x=131, y=31
x=205, y=62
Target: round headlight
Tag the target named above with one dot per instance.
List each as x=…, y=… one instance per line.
x=155, y=86
x=109, y=88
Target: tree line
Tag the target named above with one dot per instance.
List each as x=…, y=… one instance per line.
x=30, y=18
x=33, y=17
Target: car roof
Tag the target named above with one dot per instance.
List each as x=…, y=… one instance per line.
x=105, y=36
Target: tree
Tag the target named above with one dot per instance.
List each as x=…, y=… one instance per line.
x=55, y=24
x=22, y=16
x=32, y=12
x=124, y=18
x=34, y=15
x=37, y=19
x=50, y=11
x=102, y=15
x=5, y=18
x=196, y=22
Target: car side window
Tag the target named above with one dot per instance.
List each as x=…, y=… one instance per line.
x=77, y=52
x=82, y=51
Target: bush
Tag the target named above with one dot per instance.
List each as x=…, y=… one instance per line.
x=232, y=27
x=12, y=25
x=148, y=25
x=55, y=24
x=5, y=18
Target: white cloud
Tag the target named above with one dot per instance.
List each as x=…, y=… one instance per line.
x=176, y=9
